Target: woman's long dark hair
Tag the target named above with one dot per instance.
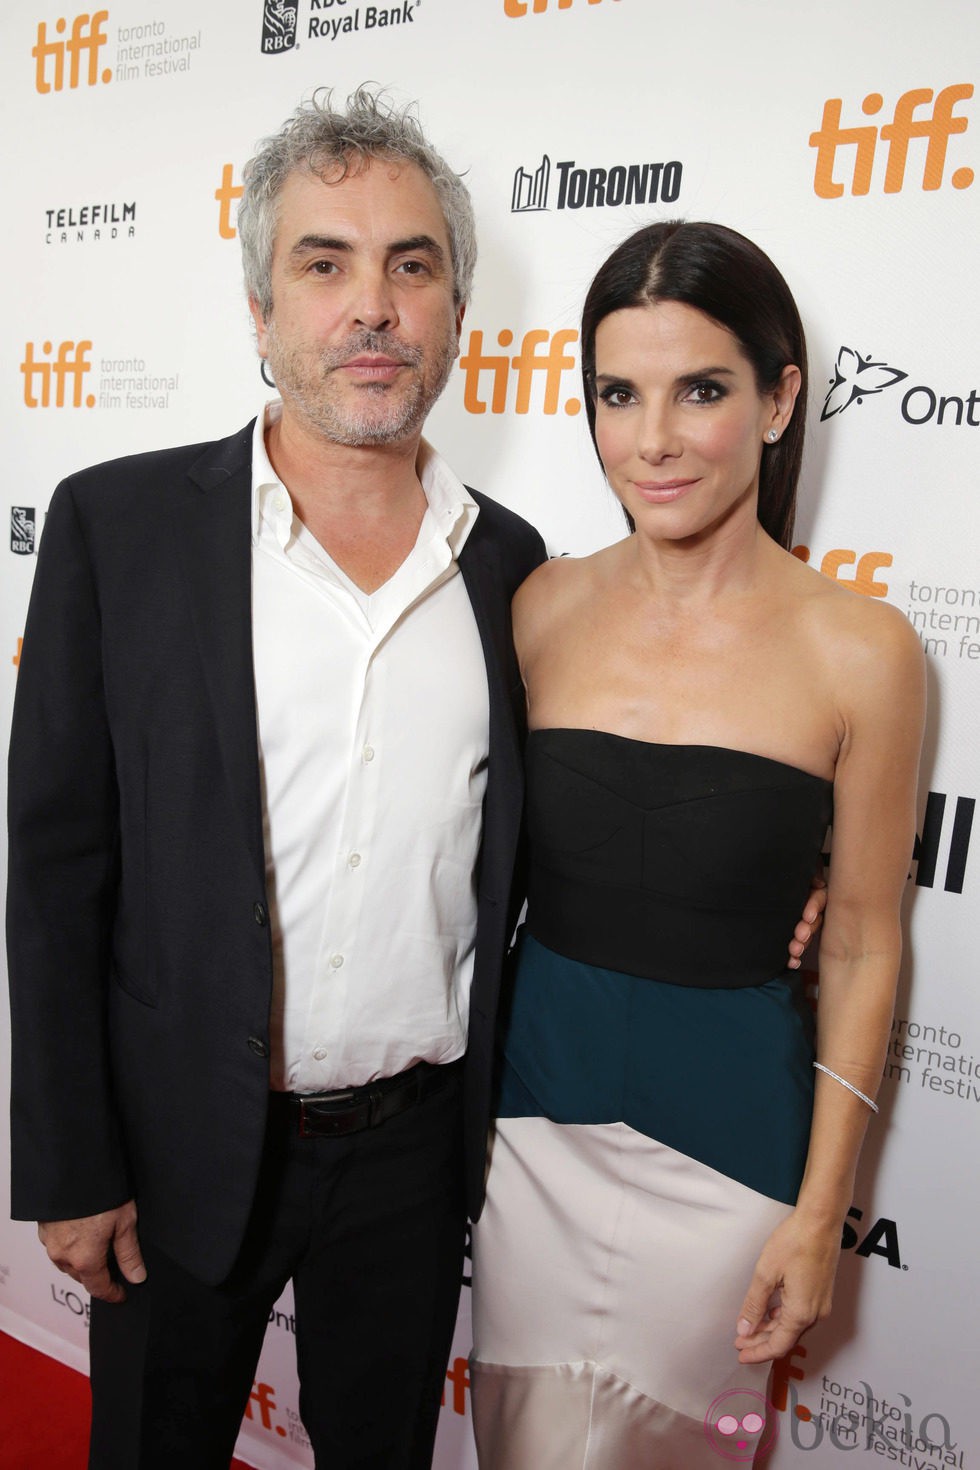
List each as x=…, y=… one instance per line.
x=724, y=275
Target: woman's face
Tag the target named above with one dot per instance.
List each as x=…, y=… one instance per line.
x=680, y=424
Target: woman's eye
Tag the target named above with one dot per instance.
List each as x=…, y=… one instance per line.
x=706, y=392
x=616, y=397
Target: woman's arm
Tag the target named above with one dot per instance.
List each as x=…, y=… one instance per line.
x=881, y=712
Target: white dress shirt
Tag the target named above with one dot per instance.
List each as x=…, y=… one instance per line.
x=373, y=718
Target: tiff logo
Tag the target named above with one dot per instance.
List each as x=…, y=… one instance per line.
x=551, y=364
x=87, y=36
x=925, y=853
x=71, y=365
x=938, y=126
x=865, y=568
x=458, y=1375
x=517, y=8
x=263, y=1396
x=227, y=194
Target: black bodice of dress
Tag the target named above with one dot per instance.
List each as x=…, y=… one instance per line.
x=683, y=863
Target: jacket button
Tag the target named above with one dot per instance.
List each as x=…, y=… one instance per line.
x=257, y=1045
x=261, y=914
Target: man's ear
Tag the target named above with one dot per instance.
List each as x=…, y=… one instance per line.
x=261, y=329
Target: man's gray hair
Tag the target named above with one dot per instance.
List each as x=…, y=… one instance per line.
x=326, y=141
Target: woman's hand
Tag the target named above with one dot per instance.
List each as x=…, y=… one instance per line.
x=810, y=920
x=791, y=1288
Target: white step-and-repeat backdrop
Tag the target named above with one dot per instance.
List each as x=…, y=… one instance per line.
x=843, y=138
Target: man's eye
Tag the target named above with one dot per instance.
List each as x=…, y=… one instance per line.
x=323, y=267
x=413, y=267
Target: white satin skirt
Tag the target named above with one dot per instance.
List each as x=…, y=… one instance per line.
x=608, y=1273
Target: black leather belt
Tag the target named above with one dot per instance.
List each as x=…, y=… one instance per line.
x=334, y=1114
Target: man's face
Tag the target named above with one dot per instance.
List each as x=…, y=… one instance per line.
x=363, y=332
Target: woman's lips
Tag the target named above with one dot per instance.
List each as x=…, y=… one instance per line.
x=661, y=492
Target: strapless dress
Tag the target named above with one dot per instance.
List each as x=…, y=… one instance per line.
x=654, y=1104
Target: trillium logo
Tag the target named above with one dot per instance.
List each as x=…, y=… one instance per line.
x=855, y=378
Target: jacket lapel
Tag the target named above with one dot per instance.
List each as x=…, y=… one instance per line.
x=486, y=585
x=215, y=552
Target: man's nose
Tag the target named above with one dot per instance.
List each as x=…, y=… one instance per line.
x=373, y=301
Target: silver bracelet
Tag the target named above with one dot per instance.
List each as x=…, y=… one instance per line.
x=850, y=1087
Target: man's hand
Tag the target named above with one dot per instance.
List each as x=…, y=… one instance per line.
x=810, y=920
x=81, y=1248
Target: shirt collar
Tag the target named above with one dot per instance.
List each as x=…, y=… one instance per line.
x=451, y=506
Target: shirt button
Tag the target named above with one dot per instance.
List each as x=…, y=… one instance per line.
x=260, y=914
x=280, y=502
x=369, y=752
x=320, y=1053
x=336, y=960
x=354, y=861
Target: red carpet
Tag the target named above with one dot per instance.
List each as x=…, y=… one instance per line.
x=45, y=1412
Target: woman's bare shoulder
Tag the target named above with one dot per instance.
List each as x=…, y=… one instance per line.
x=866, y=639
x=551, y=604
x=555, y=586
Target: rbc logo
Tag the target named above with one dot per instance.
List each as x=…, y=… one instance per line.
x=87, y=36
x=23, y=530
x=937, y=127
x=279, y=26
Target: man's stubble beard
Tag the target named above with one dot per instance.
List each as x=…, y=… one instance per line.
x=380, y=413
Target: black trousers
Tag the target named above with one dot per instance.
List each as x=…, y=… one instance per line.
x=371, y=1230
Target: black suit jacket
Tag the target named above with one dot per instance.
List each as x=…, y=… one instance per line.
x=140, y=957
